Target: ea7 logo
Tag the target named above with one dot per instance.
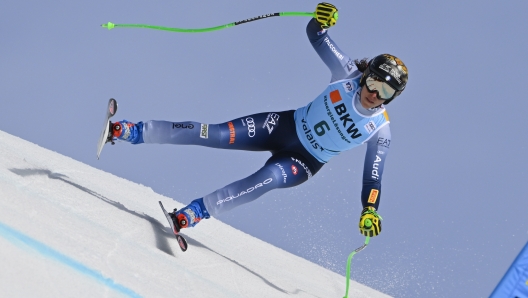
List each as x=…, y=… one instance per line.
x=271, y=121
x=384, y=142
x=350, y=65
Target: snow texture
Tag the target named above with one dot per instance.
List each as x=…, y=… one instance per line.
x=69, y=230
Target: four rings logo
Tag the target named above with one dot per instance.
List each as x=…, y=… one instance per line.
x=252, y=188
x=250, y=126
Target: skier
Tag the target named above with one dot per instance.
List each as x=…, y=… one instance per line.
x=348, y=113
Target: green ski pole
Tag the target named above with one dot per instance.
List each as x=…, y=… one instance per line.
x=111, y=25
x=350, y=261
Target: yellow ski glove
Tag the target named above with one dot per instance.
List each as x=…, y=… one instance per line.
x=370, y=222
x=326, y=14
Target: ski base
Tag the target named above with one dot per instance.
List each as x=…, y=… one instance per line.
x=103, y=139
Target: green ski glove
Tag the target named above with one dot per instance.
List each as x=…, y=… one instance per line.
x=370, y=222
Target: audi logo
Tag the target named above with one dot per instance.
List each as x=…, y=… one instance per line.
x=251, y=126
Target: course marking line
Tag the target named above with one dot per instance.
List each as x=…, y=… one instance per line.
x=19, y=239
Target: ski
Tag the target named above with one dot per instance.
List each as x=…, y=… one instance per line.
x=181, y=241
x=105, y=138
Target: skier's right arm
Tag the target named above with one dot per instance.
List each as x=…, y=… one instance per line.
x=339, y=64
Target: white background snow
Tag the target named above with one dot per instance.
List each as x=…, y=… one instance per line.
x=69, y=230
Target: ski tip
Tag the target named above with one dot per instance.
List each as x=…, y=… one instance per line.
x=182, y=242
x=112, y=107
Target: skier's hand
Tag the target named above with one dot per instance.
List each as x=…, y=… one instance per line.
x=326, y=15
x=370, y=222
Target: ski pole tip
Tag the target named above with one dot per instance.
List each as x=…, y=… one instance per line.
x=108, y=25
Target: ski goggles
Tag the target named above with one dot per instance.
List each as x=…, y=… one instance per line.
x=383, y=90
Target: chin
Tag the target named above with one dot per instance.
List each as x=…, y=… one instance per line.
x=366, y=104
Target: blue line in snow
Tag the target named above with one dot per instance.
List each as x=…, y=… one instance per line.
x=20, y=239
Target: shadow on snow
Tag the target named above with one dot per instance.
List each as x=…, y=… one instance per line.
x=160, y=231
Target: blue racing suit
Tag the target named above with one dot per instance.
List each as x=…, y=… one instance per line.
x=300, y=141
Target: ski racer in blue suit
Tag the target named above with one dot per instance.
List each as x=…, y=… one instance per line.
x=348, y=113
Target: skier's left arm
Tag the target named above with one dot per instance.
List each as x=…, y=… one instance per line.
x=377, y=150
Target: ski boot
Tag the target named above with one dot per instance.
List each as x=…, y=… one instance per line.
x=126, y=131
x=190, y=215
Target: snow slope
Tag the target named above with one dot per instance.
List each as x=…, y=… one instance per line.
x=70, y=230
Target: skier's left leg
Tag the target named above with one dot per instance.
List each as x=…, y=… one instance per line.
x=256, y=132
x=282, y=170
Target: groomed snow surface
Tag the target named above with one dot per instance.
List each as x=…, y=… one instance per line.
x=70, y=230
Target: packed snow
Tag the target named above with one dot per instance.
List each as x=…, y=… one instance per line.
x=70, y=230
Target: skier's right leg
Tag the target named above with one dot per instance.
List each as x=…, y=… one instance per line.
x=257, y=132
